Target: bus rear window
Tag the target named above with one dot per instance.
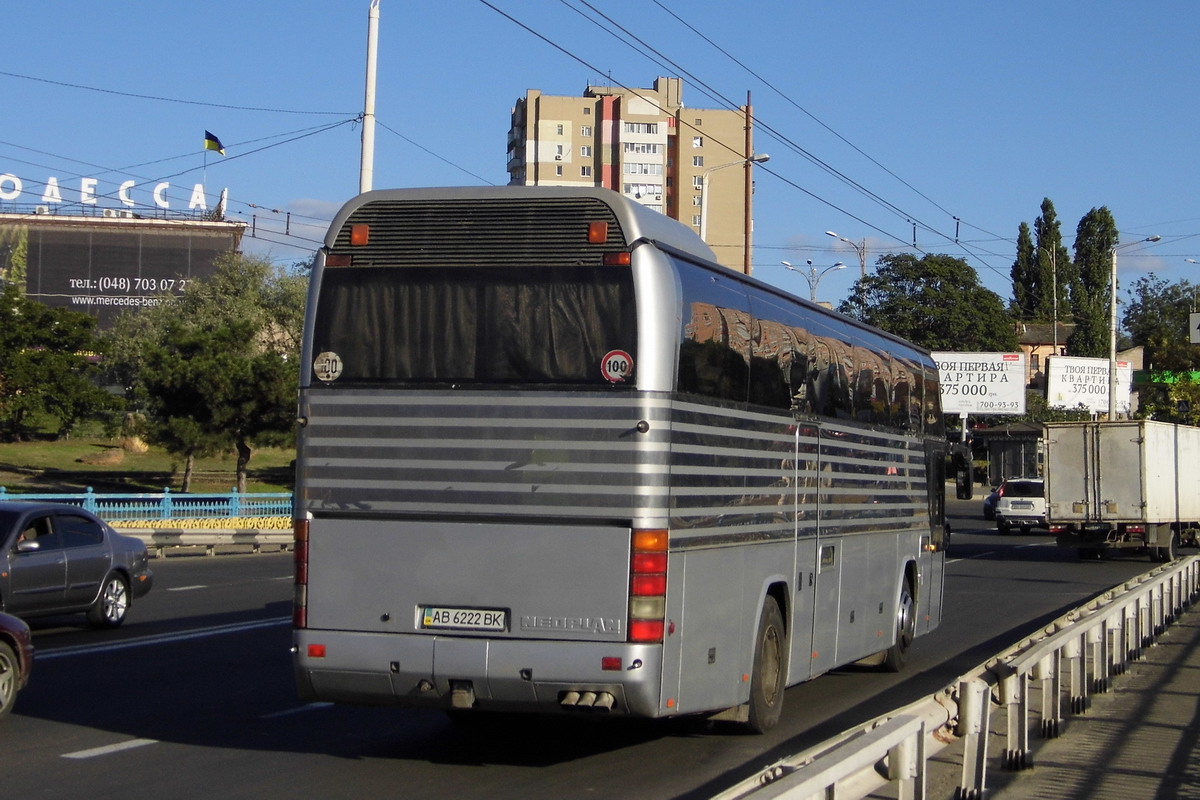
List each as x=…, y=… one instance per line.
x=478, y=325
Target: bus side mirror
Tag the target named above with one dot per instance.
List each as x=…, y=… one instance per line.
x=964, y=487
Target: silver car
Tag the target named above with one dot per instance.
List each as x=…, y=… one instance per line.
x=59, y=559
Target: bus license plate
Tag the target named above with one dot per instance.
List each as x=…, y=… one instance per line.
x=464, y=619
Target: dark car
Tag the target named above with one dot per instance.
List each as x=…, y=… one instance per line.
x=59, y=559
x=989, y=504
x=16, y=660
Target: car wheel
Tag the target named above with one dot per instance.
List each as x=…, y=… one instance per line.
x=9, y=679
x=769, y=678
x=906, y=630
x=112, y=605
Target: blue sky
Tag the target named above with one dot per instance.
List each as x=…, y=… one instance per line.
x=932, y=111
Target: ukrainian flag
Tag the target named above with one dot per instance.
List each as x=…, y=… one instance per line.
x=213, y=143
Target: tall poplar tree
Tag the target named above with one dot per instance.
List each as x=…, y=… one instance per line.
x=1095, y=237
x=1024, y=303
x=1054, y=269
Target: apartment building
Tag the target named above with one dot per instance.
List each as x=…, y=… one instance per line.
x=647, y=145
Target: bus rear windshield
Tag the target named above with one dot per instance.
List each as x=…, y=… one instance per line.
x=477, y=325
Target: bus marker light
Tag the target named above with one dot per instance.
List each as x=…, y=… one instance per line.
x=316, y=651
x=611, y=664
x=338, y=260
x=360, y=235
x=617, y=259
x=597, y=233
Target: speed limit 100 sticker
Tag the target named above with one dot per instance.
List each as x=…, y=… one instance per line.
x=327, y=366
x=617, y=366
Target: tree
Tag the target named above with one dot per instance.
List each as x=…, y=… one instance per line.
x=1024, y=304
x=45, y=367
x=215, y=367
x=1054, y=269
x=1095, y=237
x=936, y=302
x=1157, y=318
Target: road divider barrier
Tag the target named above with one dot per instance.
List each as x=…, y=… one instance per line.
x=251, y=536
x=1052, y=674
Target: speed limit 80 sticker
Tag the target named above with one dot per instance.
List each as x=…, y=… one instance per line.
x=617, y=366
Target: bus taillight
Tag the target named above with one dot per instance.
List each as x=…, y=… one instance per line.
x=300, y=584
x=648, y=586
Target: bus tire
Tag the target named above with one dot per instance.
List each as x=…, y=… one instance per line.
x=769, y=676
x=896, y=656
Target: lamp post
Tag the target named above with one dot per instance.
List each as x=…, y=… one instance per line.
x=1112, y=326
x=757, y=158
x=813, y=276
x=860, y=248
x=1054, y=281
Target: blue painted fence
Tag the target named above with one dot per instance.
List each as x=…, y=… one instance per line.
x=170, y=506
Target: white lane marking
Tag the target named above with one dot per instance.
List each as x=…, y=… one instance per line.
x=163, y=638
x=109, y=749
x=187, y=588
x=289, y=711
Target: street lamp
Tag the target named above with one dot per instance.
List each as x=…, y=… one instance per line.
x=1054, y=281
x=1112, y=326
x=757, y=158
x=860, y=248
x=813, y=276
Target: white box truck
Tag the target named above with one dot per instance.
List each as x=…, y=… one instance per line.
x=1123, y=484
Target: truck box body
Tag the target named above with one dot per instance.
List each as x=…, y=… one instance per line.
x=1125, y=483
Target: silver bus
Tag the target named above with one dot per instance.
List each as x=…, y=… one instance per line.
x=554, y=458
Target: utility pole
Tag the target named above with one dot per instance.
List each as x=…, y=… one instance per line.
x=366, y=172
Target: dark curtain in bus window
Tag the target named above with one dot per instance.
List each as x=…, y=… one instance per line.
x=475, y=325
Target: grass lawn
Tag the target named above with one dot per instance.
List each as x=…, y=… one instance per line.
x=72, y=465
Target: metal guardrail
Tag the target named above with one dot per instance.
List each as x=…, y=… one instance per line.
x=1070, y=660
x=157, y=540
x=167, y=505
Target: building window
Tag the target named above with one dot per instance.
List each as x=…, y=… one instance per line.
x=696, y=220
x=699, y=122
x=585, y=172
x=586, y=151
x=559, y=130
x=1034, y=362
x=558, y=170
x=639, y=168
x=698, y=181
x=585, y=130
x=558, y=149
x=697, y=161
x=643, y=148
x=697, y=199
x=587, y=111
x=697, y=141
x=641, y=127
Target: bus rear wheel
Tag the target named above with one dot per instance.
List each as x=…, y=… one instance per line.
x=769, y=677
x=896, y=656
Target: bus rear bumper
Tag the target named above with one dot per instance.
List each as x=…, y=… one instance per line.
x=447, y=672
